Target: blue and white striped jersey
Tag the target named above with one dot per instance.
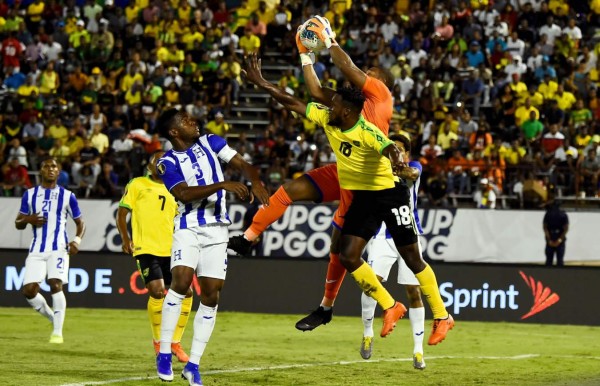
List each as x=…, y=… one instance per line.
x=54, y=204
x=414, y=194
x=198, y=166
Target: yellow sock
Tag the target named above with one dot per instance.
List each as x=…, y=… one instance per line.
x=155, y=314
x=186, y=307
x=429, y=288
x=367, y=281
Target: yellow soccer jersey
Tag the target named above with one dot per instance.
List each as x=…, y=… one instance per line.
x=153, y=210
x=358, y=151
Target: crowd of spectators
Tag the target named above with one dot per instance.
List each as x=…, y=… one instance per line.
x=504, y=91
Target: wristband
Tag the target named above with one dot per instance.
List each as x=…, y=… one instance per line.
x=77, y=240
x=306, y=60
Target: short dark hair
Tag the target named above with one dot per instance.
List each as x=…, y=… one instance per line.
x=166, y=121
x=401, y=138
x=46, y=159
x=388, y=78
x=353, y=97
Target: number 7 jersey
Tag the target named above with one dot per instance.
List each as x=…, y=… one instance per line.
x=153, y=211
x=360, y=164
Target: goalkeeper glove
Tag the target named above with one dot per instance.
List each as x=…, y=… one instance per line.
x=323, y=30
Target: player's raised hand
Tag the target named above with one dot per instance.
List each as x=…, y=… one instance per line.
x=251, y=69
x=240, y=189
x=322, y=28
x=299, y=45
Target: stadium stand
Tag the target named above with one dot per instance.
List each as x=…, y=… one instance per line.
x=501, y=90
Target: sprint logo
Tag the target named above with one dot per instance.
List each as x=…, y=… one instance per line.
x=543, y=297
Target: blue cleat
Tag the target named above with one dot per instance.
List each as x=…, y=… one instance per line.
x=163, y=367
x=191, y=373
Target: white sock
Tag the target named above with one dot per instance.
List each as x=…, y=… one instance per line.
x=204, y=323
x=39, y=304
x=170, y=315
x=59, y=303
x=326, y=308
x=417, y=322
x=368, y=312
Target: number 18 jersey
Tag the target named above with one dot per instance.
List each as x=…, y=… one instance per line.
x=153, y=211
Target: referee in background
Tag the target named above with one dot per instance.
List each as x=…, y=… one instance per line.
x=153, y=211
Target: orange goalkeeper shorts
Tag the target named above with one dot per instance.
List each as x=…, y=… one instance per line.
x=325, y=179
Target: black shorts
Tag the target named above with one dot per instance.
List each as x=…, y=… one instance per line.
x=154, y=268
x=371, y=207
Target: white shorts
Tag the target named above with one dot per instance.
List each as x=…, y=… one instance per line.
x=55, y=264
x=202, y=248
x=382, y=256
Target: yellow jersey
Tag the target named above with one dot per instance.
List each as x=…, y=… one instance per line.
x=360, y=164
x=153, y=211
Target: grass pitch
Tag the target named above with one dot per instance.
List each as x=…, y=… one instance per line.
x=114, y=347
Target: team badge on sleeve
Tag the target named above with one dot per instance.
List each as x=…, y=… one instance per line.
x=160, y=167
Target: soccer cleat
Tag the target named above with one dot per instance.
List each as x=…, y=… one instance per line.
x=315, y=319
x=163, y=367
x=240, y=245
x=179, y=353
x=418, y=361
x=390, y=317
x=56, y=339
x=191, y=373
x=440, y=329
x=156, y=346
x=366, y=347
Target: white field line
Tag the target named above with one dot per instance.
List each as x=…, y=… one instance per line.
x=305, y=365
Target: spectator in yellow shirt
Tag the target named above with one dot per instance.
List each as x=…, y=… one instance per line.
x=57, y=130
x=34, y=15
x=99, y=140
x=548, y=87
x=175, y=56
x=132, y=12
x=78, y=34
x=565, y=99
x=28, y=89
x=249, y=43
x=191, y=38
x=130, y=78
x=523, y=113
x=218, y=126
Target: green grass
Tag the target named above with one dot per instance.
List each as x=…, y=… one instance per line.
x=102, y=345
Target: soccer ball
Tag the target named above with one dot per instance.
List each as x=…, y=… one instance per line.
x=309, y=39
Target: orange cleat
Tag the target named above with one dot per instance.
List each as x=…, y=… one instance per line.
x=390, y=317
x=440, y=329
x=179, y=353
x=156, y=346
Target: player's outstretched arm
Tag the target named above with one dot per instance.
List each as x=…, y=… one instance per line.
x=339, y=57
x=258, y=190
x=187, y=194
x=252, y=72
x=320, y=94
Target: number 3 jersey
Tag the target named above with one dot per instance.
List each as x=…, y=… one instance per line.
x=153, y=210
x=413, y=186
x=198, y=166
x=55, y=205
x=360, y=164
